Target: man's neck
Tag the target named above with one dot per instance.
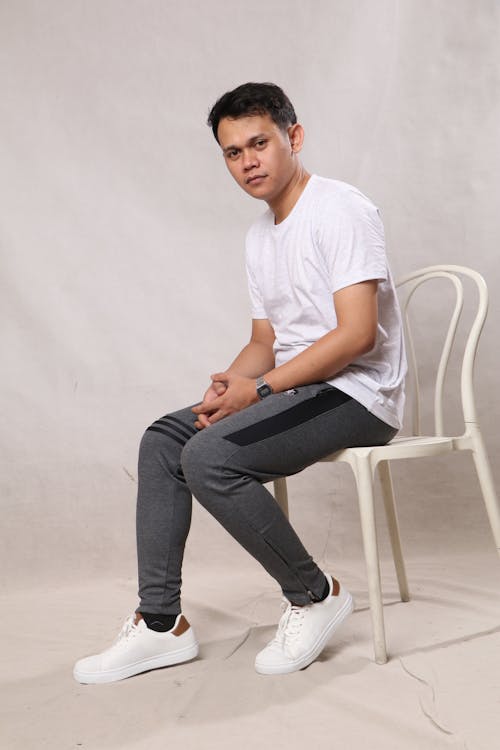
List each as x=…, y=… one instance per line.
x=284, y=203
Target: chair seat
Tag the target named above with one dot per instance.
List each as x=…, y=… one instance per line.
x=400, y=447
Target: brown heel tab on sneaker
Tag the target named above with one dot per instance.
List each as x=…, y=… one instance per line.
x=335, y=587
x=181, y=626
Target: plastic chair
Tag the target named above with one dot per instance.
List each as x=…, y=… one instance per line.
x=365, y=461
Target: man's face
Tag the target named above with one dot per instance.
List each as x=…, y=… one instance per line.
x=258, y=154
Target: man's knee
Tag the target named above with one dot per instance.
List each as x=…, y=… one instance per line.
x=201, y=461
x=161, y=444
x=149, y=443
x=192, y=463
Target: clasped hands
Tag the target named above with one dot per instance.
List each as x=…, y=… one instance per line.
x=227, y=394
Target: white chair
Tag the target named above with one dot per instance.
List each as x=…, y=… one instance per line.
x=364, y=461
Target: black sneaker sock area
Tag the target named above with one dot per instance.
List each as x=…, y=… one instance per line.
x=326, y=591
x=160, y=623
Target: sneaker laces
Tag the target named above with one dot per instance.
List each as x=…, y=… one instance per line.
x=128, y=631
x=290, y=624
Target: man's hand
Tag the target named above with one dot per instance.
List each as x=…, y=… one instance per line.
x=213, y=391
x=239, y=392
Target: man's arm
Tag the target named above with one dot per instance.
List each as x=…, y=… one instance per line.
x=357, y=317
x=355, y=334
x=257, y=357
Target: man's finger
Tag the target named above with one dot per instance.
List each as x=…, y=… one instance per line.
x=204, y=407
x=202, y=422
x=219, y=387
x=217, y=416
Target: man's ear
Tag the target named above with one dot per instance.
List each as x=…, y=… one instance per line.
x=296, y=137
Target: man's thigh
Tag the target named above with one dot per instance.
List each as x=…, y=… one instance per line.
x=285, y=432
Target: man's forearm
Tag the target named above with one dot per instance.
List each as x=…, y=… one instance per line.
x=320, y=361
x=253, y=360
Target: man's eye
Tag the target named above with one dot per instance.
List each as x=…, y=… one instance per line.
x=261, y=143
x=232, y=154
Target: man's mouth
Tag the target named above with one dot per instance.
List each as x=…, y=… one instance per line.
x=255, y=178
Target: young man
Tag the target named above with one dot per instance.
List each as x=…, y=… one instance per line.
x=323, y=370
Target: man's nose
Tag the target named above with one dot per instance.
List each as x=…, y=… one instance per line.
x=249, y=159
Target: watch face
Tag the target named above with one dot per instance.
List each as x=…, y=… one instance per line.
x=264, y=390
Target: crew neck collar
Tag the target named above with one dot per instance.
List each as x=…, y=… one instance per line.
x=287, y=219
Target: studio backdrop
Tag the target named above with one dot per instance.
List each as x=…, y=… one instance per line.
x=122, y=239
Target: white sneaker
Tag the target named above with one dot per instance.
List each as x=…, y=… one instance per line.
x=304, y=631
x=137, y=649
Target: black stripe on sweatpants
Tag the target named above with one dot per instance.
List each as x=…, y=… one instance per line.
x=184, y=432
x=193, y=430
x=169, y=434
x=324, y=401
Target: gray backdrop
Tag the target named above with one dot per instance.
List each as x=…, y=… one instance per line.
x=122, y=281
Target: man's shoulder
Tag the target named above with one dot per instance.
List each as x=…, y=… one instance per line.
x=328, y=191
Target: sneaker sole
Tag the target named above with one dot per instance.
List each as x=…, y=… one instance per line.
x=163, y=660
x=314, y=652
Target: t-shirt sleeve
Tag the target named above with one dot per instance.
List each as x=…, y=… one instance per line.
x=256, y=303
x=256, y=299
x=351, y=237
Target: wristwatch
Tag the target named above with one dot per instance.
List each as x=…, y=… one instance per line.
x=263, y=388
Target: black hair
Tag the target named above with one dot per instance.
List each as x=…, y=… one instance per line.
x=253, y=99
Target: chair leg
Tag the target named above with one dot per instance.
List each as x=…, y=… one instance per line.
x=486, y=483
x=364, y=481
x=393, y=525
x=281, y=494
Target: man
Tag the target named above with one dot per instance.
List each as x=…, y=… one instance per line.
x=323, y=370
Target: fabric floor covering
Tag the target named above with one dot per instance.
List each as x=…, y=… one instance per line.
x=440, y=689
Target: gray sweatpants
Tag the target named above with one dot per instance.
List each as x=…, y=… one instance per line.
x=225, y=466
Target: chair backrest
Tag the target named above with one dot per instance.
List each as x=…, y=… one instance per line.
x=409, y=284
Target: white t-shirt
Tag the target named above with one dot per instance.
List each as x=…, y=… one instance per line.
x=332, y=238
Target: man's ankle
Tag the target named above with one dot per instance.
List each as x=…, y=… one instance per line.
x=158, y=622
